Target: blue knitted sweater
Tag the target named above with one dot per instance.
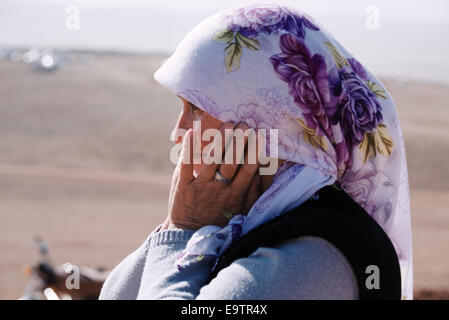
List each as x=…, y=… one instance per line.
x=302, y=268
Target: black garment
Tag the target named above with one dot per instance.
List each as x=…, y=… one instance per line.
x=337, y=218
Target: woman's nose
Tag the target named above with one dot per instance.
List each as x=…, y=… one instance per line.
x=183, y=124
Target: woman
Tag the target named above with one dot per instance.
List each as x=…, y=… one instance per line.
x=271, y=67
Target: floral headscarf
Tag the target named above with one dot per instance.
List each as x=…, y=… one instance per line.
x=275, y=67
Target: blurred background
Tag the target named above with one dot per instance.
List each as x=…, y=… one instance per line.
x=84, y=128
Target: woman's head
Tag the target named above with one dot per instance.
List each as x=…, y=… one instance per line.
x=273, y=67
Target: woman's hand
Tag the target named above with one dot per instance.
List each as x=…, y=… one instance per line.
x=204, y=200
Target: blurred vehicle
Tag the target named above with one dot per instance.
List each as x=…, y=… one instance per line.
x=51, y=282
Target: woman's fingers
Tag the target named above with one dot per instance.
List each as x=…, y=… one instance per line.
x=193, y=205
x=248, y=169
x=211, y=163
x=239, y=159
x=185, y=164
x=253, y=193
x=235, y=151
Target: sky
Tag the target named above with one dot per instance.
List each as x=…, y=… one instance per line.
x=407, y=10
x=411, y=40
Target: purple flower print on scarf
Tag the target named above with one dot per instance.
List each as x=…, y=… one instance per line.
x=307, y=80
x=340, y=105
x=354, y=106
x=252, y=21
x=358, y=68
x=244, y=25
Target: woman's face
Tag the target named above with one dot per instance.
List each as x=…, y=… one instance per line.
x=190, y=113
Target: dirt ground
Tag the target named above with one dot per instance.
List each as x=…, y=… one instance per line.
x=84, y=164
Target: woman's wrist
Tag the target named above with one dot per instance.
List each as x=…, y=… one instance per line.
x=170, y=225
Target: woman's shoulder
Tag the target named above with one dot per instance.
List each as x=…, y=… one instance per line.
x=302, y=268
x=322, y=260
x=124, y=280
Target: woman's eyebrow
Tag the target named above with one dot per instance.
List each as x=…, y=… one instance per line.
x=194, y=107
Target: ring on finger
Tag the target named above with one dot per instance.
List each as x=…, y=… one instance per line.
x=219, y=177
